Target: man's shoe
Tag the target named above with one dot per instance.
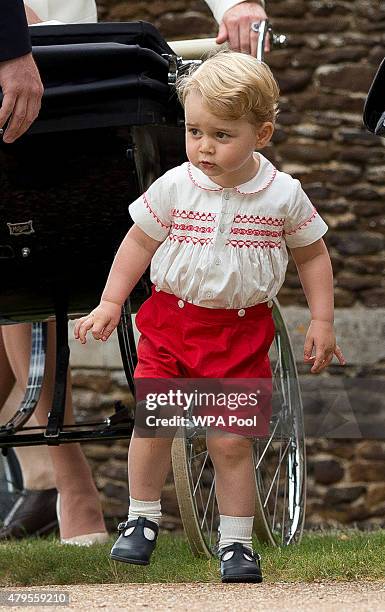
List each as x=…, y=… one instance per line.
x=239, y=564
x=33, y=514
x=136, y=542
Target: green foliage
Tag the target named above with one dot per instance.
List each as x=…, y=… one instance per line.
x=348, y=555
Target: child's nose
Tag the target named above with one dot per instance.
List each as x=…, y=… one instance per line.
x=206, y=146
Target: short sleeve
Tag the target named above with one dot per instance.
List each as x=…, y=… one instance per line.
x=303, y=225
x=152, y=210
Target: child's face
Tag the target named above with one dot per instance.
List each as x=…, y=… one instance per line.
x=222, y=148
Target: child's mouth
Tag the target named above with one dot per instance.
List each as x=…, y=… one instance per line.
x=207, y=164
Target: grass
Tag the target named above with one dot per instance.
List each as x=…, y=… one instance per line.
x=350, y=555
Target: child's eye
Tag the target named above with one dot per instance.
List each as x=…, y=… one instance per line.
x=222, y=135
x=193, y=131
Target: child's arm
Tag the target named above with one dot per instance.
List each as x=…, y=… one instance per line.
x=131, y=261
x=316, y=275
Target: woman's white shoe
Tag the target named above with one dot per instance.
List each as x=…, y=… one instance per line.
x=88, y=539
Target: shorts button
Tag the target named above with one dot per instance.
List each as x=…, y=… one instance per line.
x=270, y=303
x=157, y=289
x=181, y=303
x=209, y=294
x=241, y=312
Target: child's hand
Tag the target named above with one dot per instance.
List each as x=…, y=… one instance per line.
x=321, y=335
x=102, y=321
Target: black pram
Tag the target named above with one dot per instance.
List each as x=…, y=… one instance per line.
x=67, y=184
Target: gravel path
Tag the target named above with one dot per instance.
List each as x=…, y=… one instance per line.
x=202, y=597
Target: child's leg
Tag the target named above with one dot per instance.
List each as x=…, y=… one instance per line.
x=235, y=491
x=80, y=504
x=235, y=486
x=149, y=461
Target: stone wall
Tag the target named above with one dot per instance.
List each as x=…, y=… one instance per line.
x=334, y=48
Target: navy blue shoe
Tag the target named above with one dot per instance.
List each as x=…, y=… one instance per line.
x=134, y=545
x=239, y=564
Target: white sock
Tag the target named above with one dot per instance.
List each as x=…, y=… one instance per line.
x=150, y=509
x=236, y=529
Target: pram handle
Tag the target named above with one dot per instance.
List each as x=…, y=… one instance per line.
x=195, y=49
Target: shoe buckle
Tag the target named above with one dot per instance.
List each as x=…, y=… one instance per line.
x=122, y=526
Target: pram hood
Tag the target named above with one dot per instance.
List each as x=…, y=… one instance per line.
x=102, y=74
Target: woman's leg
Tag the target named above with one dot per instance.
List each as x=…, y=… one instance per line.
x=35, y=461
x=7, y=379
x=80, y=504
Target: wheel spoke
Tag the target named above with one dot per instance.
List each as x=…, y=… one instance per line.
x=200, y=473
x=268, y=442
x=276, y=473
x=208, y=502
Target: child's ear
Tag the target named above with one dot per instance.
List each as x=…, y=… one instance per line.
x=264, y=134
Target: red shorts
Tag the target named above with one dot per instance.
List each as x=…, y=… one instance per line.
x=181, y=340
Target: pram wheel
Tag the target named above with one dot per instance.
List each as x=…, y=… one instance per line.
x=280, y=465
x=11, y=482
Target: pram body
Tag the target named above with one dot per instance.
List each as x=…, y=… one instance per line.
x=67, y=184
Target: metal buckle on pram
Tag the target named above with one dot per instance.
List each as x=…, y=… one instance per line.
x=175, y=64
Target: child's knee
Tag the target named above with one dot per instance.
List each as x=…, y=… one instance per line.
x=228, y=448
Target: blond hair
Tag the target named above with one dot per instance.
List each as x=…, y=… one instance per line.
x=233, y=85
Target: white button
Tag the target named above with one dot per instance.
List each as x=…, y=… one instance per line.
x=241, y=313
x=270, y=303
x=222, y=228
x=157, y=289
x=217, y=261
x=181, y=303
x=209, y=294
x=226, y=195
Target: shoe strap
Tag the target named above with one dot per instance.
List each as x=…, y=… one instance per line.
x=141, y=521
x=238, y=547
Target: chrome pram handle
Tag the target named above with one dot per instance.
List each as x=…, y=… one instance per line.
x=188, y=50
x=194, y=49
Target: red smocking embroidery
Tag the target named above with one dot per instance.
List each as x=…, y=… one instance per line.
x=153, y=214
x=264, y=244
x=276, y=221
x=193, y=239
x=193, y=228
x=197, y=184
x=255, y=232
x=303, y=224
x=190, y=214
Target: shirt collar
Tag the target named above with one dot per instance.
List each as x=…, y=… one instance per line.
x=260, y=181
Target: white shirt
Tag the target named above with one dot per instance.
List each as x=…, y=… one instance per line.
x=225, y=247
x=67, y=11
x=84, y=11
x=219, y=7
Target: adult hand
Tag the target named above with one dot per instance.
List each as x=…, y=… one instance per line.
x=22, y=92
x=235, y=27
x=32, y=17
